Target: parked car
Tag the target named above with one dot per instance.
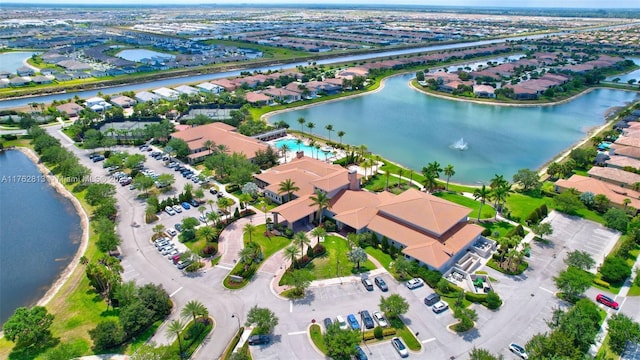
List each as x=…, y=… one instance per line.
x=367, y=284
x=178, y=227
x=343, y=324
x=367, y=320
x=431, y=299
x=607, y=301
x=259, y=339
x=186, y=205
x=380, y=319
x=439, y=307
x=97, y=158
x=353, y=322
x=167, y=250
x=518, y=350
x=177, y=208
x=183, y=264
x=380, y=283
x=194, y=203
x=415, y=283
x=327, y=322
x=213, y=191
x=172, y=232
x=360, y=355
x=172, y=253
x=203, y=218
x=169, y=210
x=401, y=348
x=161, y=242
x=175, y=258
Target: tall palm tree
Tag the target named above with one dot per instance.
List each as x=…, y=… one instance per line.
x=435, y=168
x=500, y=195
x=481, y=194
x=321, y=200
x=311, y=125
x=449, y=172
x=291, y=252
x=429, y=180
x=249, y=229
x=329, y=129
x=287, y=186
x=222, y=148
x=210, y=203
x=298, y=142
x=194, y=308
x=340, y=135
x=301, y=121
x=175, y=328
x=300, y=239
x=207, y=232
x=214, y=217
x=285, y=149
x=318, y=232
x=400, y=171
x=210, y=145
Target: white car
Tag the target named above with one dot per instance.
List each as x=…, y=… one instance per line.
x=171, y=253
x=401, y=348
x=343, y=324
x=518, y=350
x=177, y=208
x=169, y=210
x=380, y=319
x=439, y=307
x=166, y=250
x=415, y=283
x=171, y=232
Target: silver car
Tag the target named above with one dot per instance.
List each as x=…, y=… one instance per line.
x=400, y=347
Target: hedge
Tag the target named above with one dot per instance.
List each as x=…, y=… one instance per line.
x=370, y=334
x=602, y=283
x=475, y=298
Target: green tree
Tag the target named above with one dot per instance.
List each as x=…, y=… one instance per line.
x=301, y=279
x=568, y=201
x=175, y=329
x=179, y=146
x=135, y=318
x=108, y=334
x=322, y=201
x=341, y=344
x=329, y=129
x=615, y=270
x=481, y=194
x=264, y=319
x=580, y=259
x=194, y=309
x=318, y=232
x=394, y=305
x=27, y=327
x=291, y=252
x=356, y=256
x=301, y=121
x=449, y=172
x=622, y=329
x=493, y=300
x=402, y=267
x=340, y=134
x=250, y=230
x=573, y=282
x=166, y=180
x=483, y=354
x=143, y=183
x=156, y=298
x=300, y=239
x=616, y=219
x=528, y=179
x=98, y=192
x=288, y=187
x=134, y=160
x=542, y=229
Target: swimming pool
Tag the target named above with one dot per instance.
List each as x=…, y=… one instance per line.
x=309, y=151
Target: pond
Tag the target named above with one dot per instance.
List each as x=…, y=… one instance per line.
x=12, y=61
x=479, y=140
x=138, y=55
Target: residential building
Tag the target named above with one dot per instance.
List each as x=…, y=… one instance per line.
x=166, y=93
x=145, y=96
x=123, y=101
x=614, y=193
x=72, y=109
x=614, y=176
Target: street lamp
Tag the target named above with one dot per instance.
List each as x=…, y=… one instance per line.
x=235, y=315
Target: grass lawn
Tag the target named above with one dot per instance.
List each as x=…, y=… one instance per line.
x=270, y=245
x=315, y=332
x=502, y=227
x=488, y=212
x=379, y=183
x=406, y=334
x=634, y=290
x=335, y=263
x=605, y=353
x=383, y=258
x=521, y=205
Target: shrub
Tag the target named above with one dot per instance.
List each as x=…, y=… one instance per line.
x=431, y=277
x=232, y=188
x=615, y=270
x=329, y=225
x=368, y=335
x=378, y=333
x=302, y=262
x=602, y=283
x=533, y=218
x=476, y=298
x=388, y=331
x=486, y=232
x=194, y=266
x=209, y=250
x=493, y=300
x=319, y=249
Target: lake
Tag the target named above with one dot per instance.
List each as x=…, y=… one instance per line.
x=39, y=233
x=138, y=54
x=413, y=129
x=12, y=61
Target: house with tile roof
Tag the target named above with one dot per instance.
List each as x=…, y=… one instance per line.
x=433, y=231
x=613, y=192
x=614, y=176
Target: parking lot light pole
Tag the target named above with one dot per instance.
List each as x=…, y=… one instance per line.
x=362, y=322
x=235, y=315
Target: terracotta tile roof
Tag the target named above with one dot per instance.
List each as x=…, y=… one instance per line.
x=629, y=151
x=296, y=209
x=614, y=175
x=614, y=193
x=254, y=97
x=332, y=181
x=305, y=172
x=622, y=161
x=302, y=180
x=425, y=211
x=220, y=133
x=628, y=141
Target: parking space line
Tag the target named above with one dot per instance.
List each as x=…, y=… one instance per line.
x=428, y=340
x=175, y=292
x=224, y=267
x=547, y=290
x=297, y=333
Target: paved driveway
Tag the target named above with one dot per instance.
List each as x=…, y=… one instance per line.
x=574, y=233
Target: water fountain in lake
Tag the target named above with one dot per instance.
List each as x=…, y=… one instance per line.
x=460, y=145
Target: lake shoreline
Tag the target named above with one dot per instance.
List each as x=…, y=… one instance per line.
x=84, y=224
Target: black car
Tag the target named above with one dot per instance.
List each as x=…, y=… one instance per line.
x=194, y=203
x=367, y=320
x=431, y=299
x=213, y=191
x=327, y=322
x=381, y=284
x=259, y=339
x=178, y=227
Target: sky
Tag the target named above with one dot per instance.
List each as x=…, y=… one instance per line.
x=482, y=3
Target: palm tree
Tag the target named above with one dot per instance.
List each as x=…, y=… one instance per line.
x=193, y=309
x=249, y=253
x=366, y=163
x=301, y=121
x=311, y=125
x=210, y=203
x=158, y=230
x=429, y=180
x=222, y=148
x=500, y=195
x=291, y=252
x=449, y=172
x=482, y=194
x=213, y=217
x=285, y=149
x=329, y=129
x=300, y=239
x=435, y=168
x=207, y=233
x=201, y=209
x=249, y=229
x=209, y=145
x=318, y=232
x=175, y=329
x=298, y=142
x=287, y=186
x=321, y=200
x=400, y=171
x=340, y=135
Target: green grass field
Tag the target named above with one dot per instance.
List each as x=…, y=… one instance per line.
x=383, y=258
x=270, y=245
x=502, y=227
x=335, y=262
x=488, y=212
x=315, y=332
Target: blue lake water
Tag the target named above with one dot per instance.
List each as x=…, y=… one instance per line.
x=139, y=54
x=39, y=233
x=12, y=61
x=635, y=75
x=413, y=129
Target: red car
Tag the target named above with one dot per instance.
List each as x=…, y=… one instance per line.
x=607, y=301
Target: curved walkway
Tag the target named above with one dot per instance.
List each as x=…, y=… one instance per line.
x=232, y=238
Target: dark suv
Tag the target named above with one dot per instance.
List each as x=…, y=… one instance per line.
x=381, y=284
x=259, y=339
x=431, y=299
x=367, y=320
x=367, y=284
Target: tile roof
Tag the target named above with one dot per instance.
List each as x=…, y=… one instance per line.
x=629, y=151
x=220, y=133
x=614, y=193
x=615, y=175
x=622, y=161
x=628, y=141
